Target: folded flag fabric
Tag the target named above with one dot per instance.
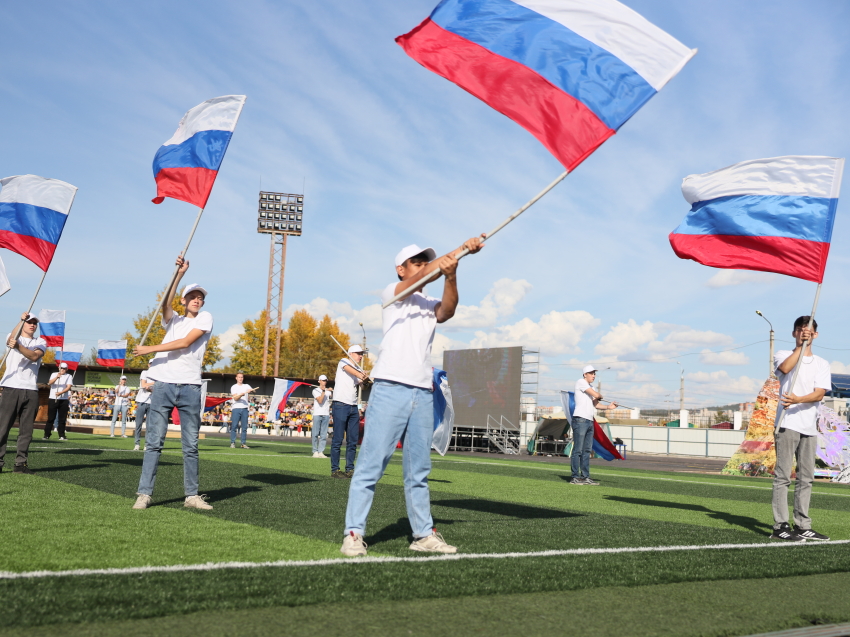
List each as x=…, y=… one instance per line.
x=283, y=389
x=185, y=167
x=52, y=326
x=773, y=215
x=444, y=413
x=71, y=353
x=5, y=286
x=33, y=212
x=602, y=445
x=111, y=353
x=570, y=72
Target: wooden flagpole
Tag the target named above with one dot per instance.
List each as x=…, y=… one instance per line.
x=435, y=273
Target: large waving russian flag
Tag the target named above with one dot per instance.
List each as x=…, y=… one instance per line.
x=33, y=212
x=773, y=215
x=185, y=167
x=71, y=353
x=570, y=72
x=52, y=326
x=111, y=353
x=283, y=388
x=602, y=445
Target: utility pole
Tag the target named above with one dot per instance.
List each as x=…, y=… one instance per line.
x=681, y=387
x=771, y=371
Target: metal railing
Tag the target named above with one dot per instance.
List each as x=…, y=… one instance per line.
x=504, y=439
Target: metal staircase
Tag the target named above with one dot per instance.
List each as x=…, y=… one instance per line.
x=505, y=439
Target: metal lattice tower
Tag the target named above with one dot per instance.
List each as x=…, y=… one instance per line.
x=274, y=299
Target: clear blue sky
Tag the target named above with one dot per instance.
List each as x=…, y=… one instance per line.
x=392, y=154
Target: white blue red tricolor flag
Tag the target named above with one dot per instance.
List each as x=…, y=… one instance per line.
x=185, y=167
x=570, y=72
x=773, y=215
x=33, y=212
x=5, y=286
x=602, y=445
x=283, y=388
x=71, y=353
x=52, y=326
x=111, y=353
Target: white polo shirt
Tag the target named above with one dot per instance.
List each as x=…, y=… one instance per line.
x=182, y=366
x=814, y=373
x=409, y=327
x=345, y=385
x=122, y=394
x=325, y=408
x=62, y=381
x=241, y=403
x=21, y=372
x=584, y=403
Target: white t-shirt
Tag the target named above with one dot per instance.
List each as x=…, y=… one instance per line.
x=121, y=395
x=408, y=334
x=62, y=381
x=584, y=402
x=814, y=373
x=325, y=408
x=21, y=372
x=182, y=366
x=242, y=403
x=345, y=385
x=143, y=395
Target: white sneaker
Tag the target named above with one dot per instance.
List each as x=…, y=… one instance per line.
x=233, y=445
x=321, y=455
x=433, y=543
x=245, y=447
x=136, y=448
x=123, y=436
x=142, y=502
x=316, y=454
x=353, y=545
x=197, y=502
x=111, y=435
x=63, y=438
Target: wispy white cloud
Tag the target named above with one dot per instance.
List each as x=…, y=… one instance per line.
x=725, y=278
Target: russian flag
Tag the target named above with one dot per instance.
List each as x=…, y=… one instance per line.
x=71, y=353
x=52, y=326
x=33, y=212
x=283, y=388
x=570, y=72
x=111, y=353
x=602, y=445
x=773, y=215
x=185, y=167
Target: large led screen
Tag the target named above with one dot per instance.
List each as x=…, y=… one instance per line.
x=484, y=382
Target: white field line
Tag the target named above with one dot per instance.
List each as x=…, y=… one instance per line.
x=215, y=566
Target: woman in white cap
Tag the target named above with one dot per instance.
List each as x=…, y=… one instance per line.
x=321, y=415
x=59, y=401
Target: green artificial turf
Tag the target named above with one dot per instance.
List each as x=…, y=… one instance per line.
x=276, y=502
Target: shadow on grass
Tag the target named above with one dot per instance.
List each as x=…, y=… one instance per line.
x=71, y=467
x=79, y=452
x=278, y=479
x=508, y=509
x=217, y=495
x=751, y=524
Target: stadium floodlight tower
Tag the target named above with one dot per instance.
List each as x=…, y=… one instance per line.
x=279, y=214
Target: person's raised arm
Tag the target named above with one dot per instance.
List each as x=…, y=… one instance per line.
x=446, y=308
x=167, y=311
x=473, y=245
x=13, y=339
x=805, y=334
x=193, y=335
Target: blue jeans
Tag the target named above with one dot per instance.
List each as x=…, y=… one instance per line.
x=141, y=413
x=582, y=446
x=346, y=423
x=239, y=415
x=123, y=409
x=395, y=410
x=187, y=400
x=320, y=432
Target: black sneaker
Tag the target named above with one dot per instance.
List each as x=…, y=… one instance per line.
x=338, y=474
x=786, y=533
x=22, y=468
x=809, y=534
x=349, y=474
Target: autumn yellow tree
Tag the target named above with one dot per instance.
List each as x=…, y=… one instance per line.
x=157, y=333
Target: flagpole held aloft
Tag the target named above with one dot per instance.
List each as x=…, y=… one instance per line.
x=436, y=273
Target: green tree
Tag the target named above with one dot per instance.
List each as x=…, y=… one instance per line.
x=157, y=333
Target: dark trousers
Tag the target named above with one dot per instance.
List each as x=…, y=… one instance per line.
x=346, y=423
x=20, y=405
x=55, y=406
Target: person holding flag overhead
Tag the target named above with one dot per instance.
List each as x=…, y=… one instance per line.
x=402, y=400
x=176, y=370
x=20, y=391
x=587, y=402
x=344, y=409
x=59, y=401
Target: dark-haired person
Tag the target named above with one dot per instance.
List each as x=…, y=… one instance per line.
x=798, y=435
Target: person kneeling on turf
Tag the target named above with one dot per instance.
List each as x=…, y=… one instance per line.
x=402, y=401
x=176, y=370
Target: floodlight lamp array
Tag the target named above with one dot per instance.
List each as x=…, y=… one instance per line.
x=280, y=213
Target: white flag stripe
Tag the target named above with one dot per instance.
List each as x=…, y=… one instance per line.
x=5, y=286
x=51, y=316
x=790, y=176
x=219, y=113
x=652, y=52
x=38, y=191
x=101, y=344
x=73, y=348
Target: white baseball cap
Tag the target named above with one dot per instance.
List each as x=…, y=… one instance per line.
x=323, y=377
x=412, y=251
x=356, y=349
x=123, y=378
x=588, y=368
x=191, y=288
x=63, y=365
x=31, y=317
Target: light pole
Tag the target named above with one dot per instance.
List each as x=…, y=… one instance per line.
x=770, y=362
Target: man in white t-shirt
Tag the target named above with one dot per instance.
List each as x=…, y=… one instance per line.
x=58, y=402
x=321, y=415
x=120, y=404
x=239, y=410
x=20, y=391
x=402, y=400
x=143, y=405
x=797, y=435
x=176, y=370
x=587, y=401
x=349, y=375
